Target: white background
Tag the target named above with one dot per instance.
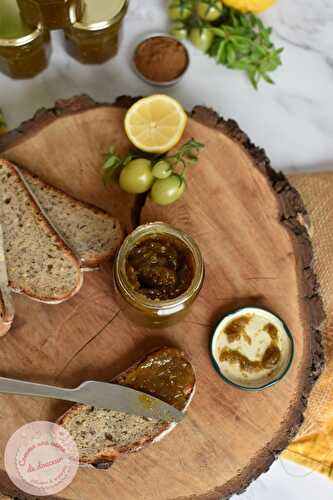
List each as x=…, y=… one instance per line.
x=292, y=120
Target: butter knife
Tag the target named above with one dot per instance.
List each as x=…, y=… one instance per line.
x=100, y=394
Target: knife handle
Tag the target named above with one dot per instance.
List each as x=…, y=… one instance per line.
x=20, y=387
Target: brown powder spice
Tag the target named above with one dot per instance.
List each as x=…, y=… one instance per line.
x=161, y=59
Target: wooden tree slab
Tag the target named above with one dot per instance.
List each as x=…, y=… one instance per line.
x=251, y=227
x=68, y=150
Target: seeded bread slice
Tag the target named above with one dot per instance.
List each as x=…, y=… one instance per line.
x=102, y=436
x=93, y=235
x=39, y=263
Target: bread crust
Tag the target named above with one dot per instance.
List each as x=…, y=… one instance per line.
x=6, y=322
x=49, y=229
x=7, y=314
x=7, y=310
x=106, y=457
x=92, y=262
x=5, y=326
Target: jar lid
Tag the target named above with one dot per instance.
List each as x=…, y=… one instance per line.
x=98, y=14
x=14, y=32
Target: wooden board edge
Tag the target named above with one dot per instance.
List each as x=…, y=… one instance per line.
x=293, y=215
x=62, y=107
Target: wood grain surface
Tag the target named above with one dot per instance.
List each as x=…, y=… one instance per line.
x=250, y=225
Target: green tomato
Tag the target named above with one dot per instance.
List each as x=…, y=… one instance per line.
x=179, y=31
x=136, y=177
x=162, y=169
x=209, y=10
x=180, y=9
x=166, y=191
x=201, y=38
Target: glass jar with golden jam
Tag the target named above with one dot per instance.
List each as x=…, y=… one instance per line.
x=23, y=48
x=158, y=273
x=53, y=14
x=94, y=38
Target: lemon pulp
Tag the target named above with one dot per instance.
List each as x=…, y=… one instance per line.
x=156, y=123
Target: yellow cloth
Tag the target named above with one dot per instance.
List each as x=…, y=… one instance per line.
x=313, y=447
x=314, y=451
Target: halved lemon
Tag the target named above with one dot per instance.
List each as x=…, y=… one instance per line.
x=156, y=123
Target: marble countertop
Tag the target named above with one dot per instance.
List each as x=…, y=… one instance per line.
x=292, y=120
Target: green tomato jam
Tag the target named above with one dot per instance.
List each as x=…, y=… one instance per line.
x=53, y=14
x=160, y=267
x=165, y=374
x=271, y=356
x=236, y=329
x=94, y=38
x=23, y=48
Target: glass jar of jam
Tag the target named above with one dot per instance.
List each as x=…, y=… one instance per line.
x=158, y=273
x=53, y=14
x=94, y=38
x=23, y=49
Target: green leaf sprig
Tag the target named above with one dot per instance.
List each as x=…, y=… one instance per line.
x=161, y=176
x=114, y=163
x=185, y=156
x=235, y=39
x=241, y=41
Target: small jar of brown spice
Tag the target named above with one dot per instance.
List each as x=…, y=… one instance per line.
x=161, y=59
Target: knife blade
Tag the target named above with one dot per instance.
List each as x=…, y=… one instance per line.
x=99, y=394
x=127, y=400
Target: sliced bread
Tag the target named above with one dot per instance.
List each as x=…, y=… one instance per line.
x=92, y=234
x=39, y=263
x=6, y=301
x=102, y=436
x=6, y=315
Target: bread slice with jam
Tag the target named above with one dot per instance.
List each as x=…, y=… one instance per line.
x=102, y=436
